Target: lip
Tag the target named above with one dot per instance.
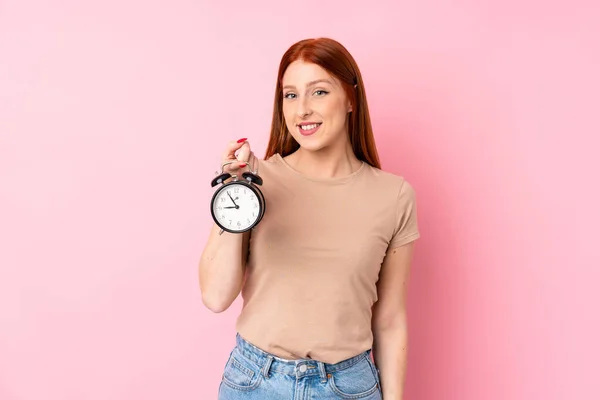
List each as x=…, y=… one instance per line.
x=309, y=132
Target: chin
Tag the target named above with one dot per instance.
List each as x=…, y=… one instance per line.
x=314, y=145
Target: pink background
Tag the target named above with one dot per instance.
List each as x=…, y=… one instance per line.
x=113, y=116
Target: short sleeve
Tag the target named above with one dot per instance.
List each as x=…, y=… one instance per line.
x=406, y=228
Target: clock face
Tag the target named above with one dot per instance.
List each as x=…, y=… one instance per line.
x=236, y=207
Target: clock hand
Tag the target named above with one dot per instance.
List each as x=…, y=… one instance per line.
x=232, y=199
x=236, y=206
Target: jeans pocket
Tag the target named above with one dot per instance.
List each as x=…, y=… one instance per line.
x=375, y=374
x=355, y=382
x=241, y=373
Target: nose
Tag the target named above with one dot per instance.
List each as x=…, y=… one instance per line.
x=304, y=109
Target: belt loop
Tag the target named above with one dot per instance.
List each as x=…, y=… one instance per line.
x=322, y=372
x=265, y=369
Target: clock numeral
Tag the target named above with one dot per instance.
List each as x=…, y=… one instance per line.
x=236, y=190
x=239, y=223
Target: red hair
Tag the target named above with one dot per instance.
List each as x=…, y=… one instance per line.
x=337, y=61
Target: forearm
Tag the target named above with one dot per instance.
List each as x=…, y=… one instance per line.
x=390, y=351
x=221, y=268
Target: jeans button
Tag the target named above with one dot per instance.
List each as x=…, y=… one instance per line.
x=303, y=368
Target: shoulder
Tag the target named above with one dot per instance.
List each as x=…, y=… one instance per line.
x=394, y=181
x=394, y=190
x=267, y=164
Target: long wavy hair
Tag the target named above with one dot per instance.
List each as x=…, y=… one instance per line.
x=337, y=61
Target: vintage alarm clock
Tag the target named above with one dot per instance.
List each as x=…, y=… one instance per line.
x=239, y=205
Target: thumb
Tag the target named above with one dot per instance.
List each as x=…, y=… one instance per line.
x=244, y=153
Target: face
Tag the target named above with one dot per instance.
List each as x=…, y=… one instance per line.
x=315, y=106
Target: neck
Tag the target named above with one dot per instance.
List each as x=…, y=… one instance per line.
x=329, y=162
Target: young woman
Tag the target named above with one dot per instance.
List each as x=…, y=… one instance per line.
x=324, y=275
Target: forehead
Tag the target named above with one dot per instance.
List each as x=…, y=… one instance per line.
x=300, y=73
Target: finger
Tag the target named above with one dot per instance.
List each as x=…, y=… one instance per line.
x=241, y=152
x=232, y=147
x=251, y=163
x=235, y=166
x=244, y=153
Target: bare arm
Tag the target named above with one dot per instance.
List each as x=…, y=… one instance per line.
x=223, y=262
x=222, y=268
x=390, y=330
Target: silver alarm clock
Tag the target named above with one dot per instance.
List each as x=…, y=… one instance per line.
x=239, y=205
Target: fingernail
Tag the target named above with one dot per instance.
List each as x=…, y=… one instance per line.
x=242, y=140
x=242, y=165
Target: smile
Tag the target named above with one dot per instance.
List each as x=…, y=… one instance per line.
x=309, y=129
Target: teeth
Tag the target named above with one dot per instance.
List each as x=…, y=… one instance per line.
x=308, y=127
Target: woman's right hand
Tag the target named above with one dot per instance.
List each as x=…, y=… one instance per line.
x=241, y=160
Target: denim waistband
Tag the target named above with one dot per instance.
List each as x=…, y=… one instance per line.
x=301, y=367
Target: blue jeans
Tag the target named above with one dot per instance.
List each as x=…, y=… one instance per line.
x=253, y=374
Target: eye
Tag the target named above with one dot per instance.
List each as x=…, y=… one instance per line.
x=323, y=92
x=289, y=95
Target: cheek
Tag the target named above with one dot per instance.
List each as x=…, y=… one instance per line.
x=288, y=112
x=336, y=111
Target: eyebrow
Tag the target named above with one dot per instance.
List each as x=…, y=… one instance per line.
x=311, y=83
